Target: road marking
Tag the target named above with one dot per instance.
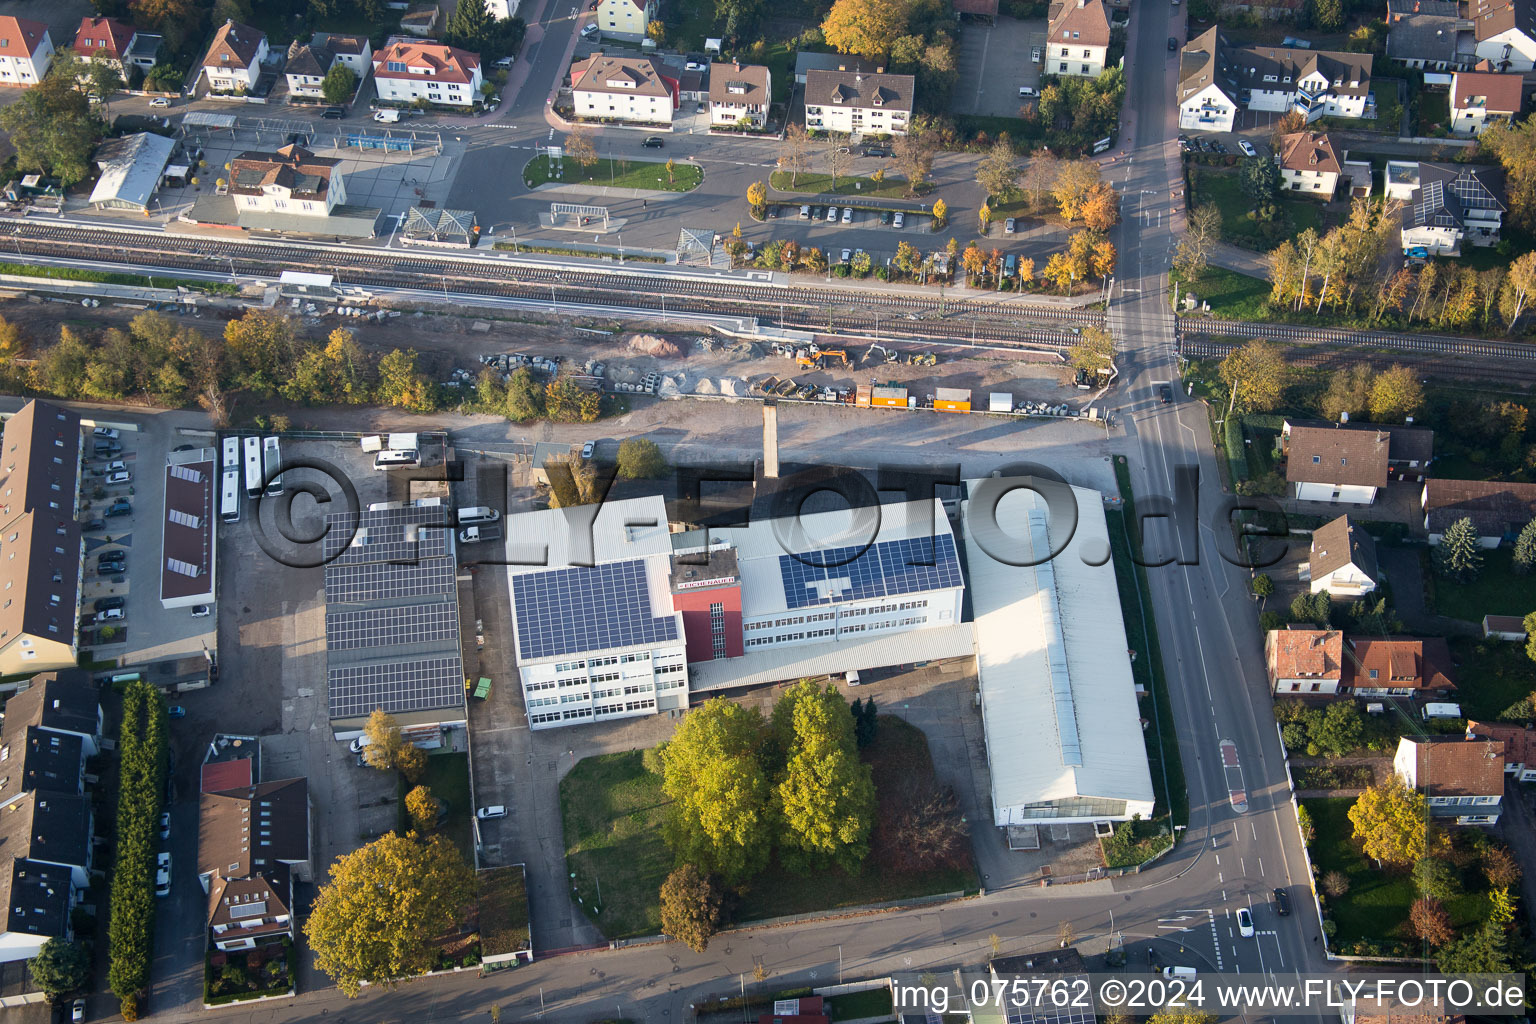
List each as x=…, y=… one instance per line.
x=1261, y=867
x=1215, y=937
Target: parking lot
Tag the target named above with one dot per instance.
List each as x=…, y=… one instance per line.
x=122, y=490
x=997, y=59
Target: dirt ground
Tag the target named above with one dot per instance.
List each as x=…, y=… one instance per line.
x=706, y=364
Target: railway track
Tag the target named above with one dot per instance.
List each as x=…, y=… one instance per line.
x=1424, y=344
x=1431, y=365
x=893, y=314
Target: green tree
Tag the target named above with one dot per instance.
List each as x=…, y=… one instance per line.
x=1256, y=375
x=861, y=263
x=826, y=795
x=1529, y=625
x=53, y=129
x=261, y=346
x=525, y=399
x=421, y=807
x=1328, y=14
x=1262, y=585
x=1349, y=391
x=1313, y=608
x=1437, y=877
x=1396, y=394
x=1514, y=145
x=402, y=385
x=103, y=80
x=383, y=741
x=378, y=918
x=469, y=25
x=1261, y=184
x=998, y=173
x=339, y=83
x=712, y=772
x=1094, y=351
x=1391, y=820
x=1525, y=548
x=690, y=907
x=60, y=967
x=1483, y=951
x=640, y=459
x=1458, y=555
x=1342, y=730
x=61, y=369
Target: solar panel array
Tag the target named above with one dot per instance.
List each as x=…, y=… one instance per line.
x=884, y=569
x=586, y=609
x=1049, y=1014
x=417, y=684
x=387, y=535
x=350, y=583
x=386, y=627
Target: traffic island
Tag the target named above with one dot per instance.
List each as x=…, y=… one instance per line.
x=641, y=175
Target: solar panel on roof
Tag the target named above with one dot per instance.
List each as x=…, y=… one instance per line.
x=380, y=581
x=884, y=569
x=387, y=535
x=586, y=609
x=385, y=627
x=416, y=684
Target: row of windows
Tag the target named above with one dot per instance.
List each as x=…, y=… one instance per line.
x=668, y=670
x=629, y=659
x=542, y=684
x=541, y=702
x=605, y=677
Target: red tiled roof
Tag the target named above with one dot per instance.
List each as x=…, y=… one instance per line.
x=20, y=34
x=1087, y=18
x=443, y=63
x=103, y=35
x=234, y=45
x=1502, y=94
x=1399, y=662
x=1305, y=654
x=1459, y=767
x=1320, y=455
x=1519, y=740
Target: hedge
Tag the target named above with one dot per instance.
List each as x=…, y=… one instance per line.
x=105, y=277
x=142, y=755
x=562, y=250
x=1237, y=452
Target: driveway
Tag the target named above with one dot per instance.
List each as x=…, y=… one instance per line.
x=1405, y=572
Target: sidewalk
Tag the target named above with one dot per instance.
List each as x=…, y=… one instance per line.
x=1244, y=261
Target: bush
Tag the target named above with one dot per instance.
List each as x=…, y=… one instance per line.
x=1237, y=452
x=142, y=751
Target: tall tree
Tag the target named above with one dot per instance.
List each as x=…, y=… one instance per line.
x=338, y=84
x=1458, y=555
x=1074, y=180
x=60, y=967
x=690, y=907
x=1430, y=921
x=1094, y=351
x=640, y=459
x=469, y=24
x=384, y=743
x=1484, y=950
x=53, y=129
x=261, y=344
x=713, y=775
x=1039, y=175
x=525, y=399
x=578, y=143
x=1519, y=286
x=378, y=917
x=1289, y=123
x=1525, y=548
x=826, y=796
x=421, y=806
x=794, y=153
x=838, y=155
x=1100, y=208
x=913, y=156
x=402, y=385
x=1202, y=231
x=998, y=173
x=1392, y=821
x=1514, y=145
x=1349, y=391
x=1261, y=184
x=1395, y=394
x=866, y=27
x=1256, y=375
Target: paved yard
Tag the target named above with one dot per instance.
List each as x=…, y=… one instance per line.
x=994, y=62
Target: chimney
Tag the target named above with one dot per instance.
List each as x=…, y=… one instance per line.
x=1344, y=417
x=738, y=63
x=880, y=70
x=770, y=440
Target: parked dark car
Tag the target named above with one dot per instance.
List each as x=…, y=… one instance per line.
x=1282, y=903
x=119, y=508
x=93, y=524
x=334, y=114
x=1173, y=44
x=104, y=603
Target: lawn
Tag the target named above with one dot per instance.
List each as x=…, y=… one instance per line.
x=502, y=902
x=1434, y=112
x=1377, y=903
x=1237, y=227
x=1232, y=296
x=447, y=776
x=858, y=1005
x=613, y=810
x=821, y=184
x=1496, y=591
x=640, y=174
x=1491, y=675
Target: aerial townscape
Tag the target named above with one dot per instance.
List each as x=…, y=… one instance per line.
x=707, y=512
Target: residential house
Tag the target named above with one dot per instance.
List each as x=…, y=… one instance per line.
x=253, y=843
x=1207, y=92
x=806, y=62
x=501, y=10
x=306, y=69
x=1316, y=83
x=1309, y=164
x=105, y=40
x=1506, y=33
x=52, y=829
x=25, y=51
x=233, y=61
x=351, y=50
x=420, y=21
x=62, y=702
x=739, y=92
x=1504, y=627
x=636, y=90
x=1336, y=465
x=1077, y=39
x=36, y=899
x=1447, y=204
x=625, y=20
x=1430, y=35
x=1343, y=560
x=1397, y=666
x=1410, y=449
x=292, y=180
x=1305, y=661
x=856, y=103
x=1499, y=511
x=1463, y=779
x=1519, y=745
x=1480, y=98
x=41, y=557
x=405, y=71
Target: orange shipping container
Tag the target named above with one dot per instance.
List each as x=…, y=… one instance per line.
x=890, y=397
x=952, y=400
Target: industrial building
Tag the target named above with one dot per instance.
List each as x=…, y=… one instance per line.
x=188, y=535
x=1058, y=702
x=392, y=619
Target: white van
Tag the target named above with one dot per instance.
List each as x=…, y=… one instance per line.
x=395, y=459
x=1441, y=710
x=386, y=116
x=1178, y=972
x=478, y=514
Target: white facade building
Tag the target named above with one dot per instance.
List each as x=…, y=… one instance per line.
x=856, y=103
x=405, y=71
x=1309, y=164
x=1077, y=39
x=739, y=91
x=626, y=89
x=25, y=51
x=1058, y=700
x=233, y=62
x=1462, y=779
x=1506, y=33
x=626, y=20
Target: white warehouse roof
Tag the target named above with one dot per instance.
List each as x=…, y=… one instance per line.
x=1063, y=730
x=555, y=538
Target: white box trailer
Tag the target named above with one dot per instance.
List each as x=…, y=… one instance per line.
x=402, y=443
x=1000, y=401
x=373, y=443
